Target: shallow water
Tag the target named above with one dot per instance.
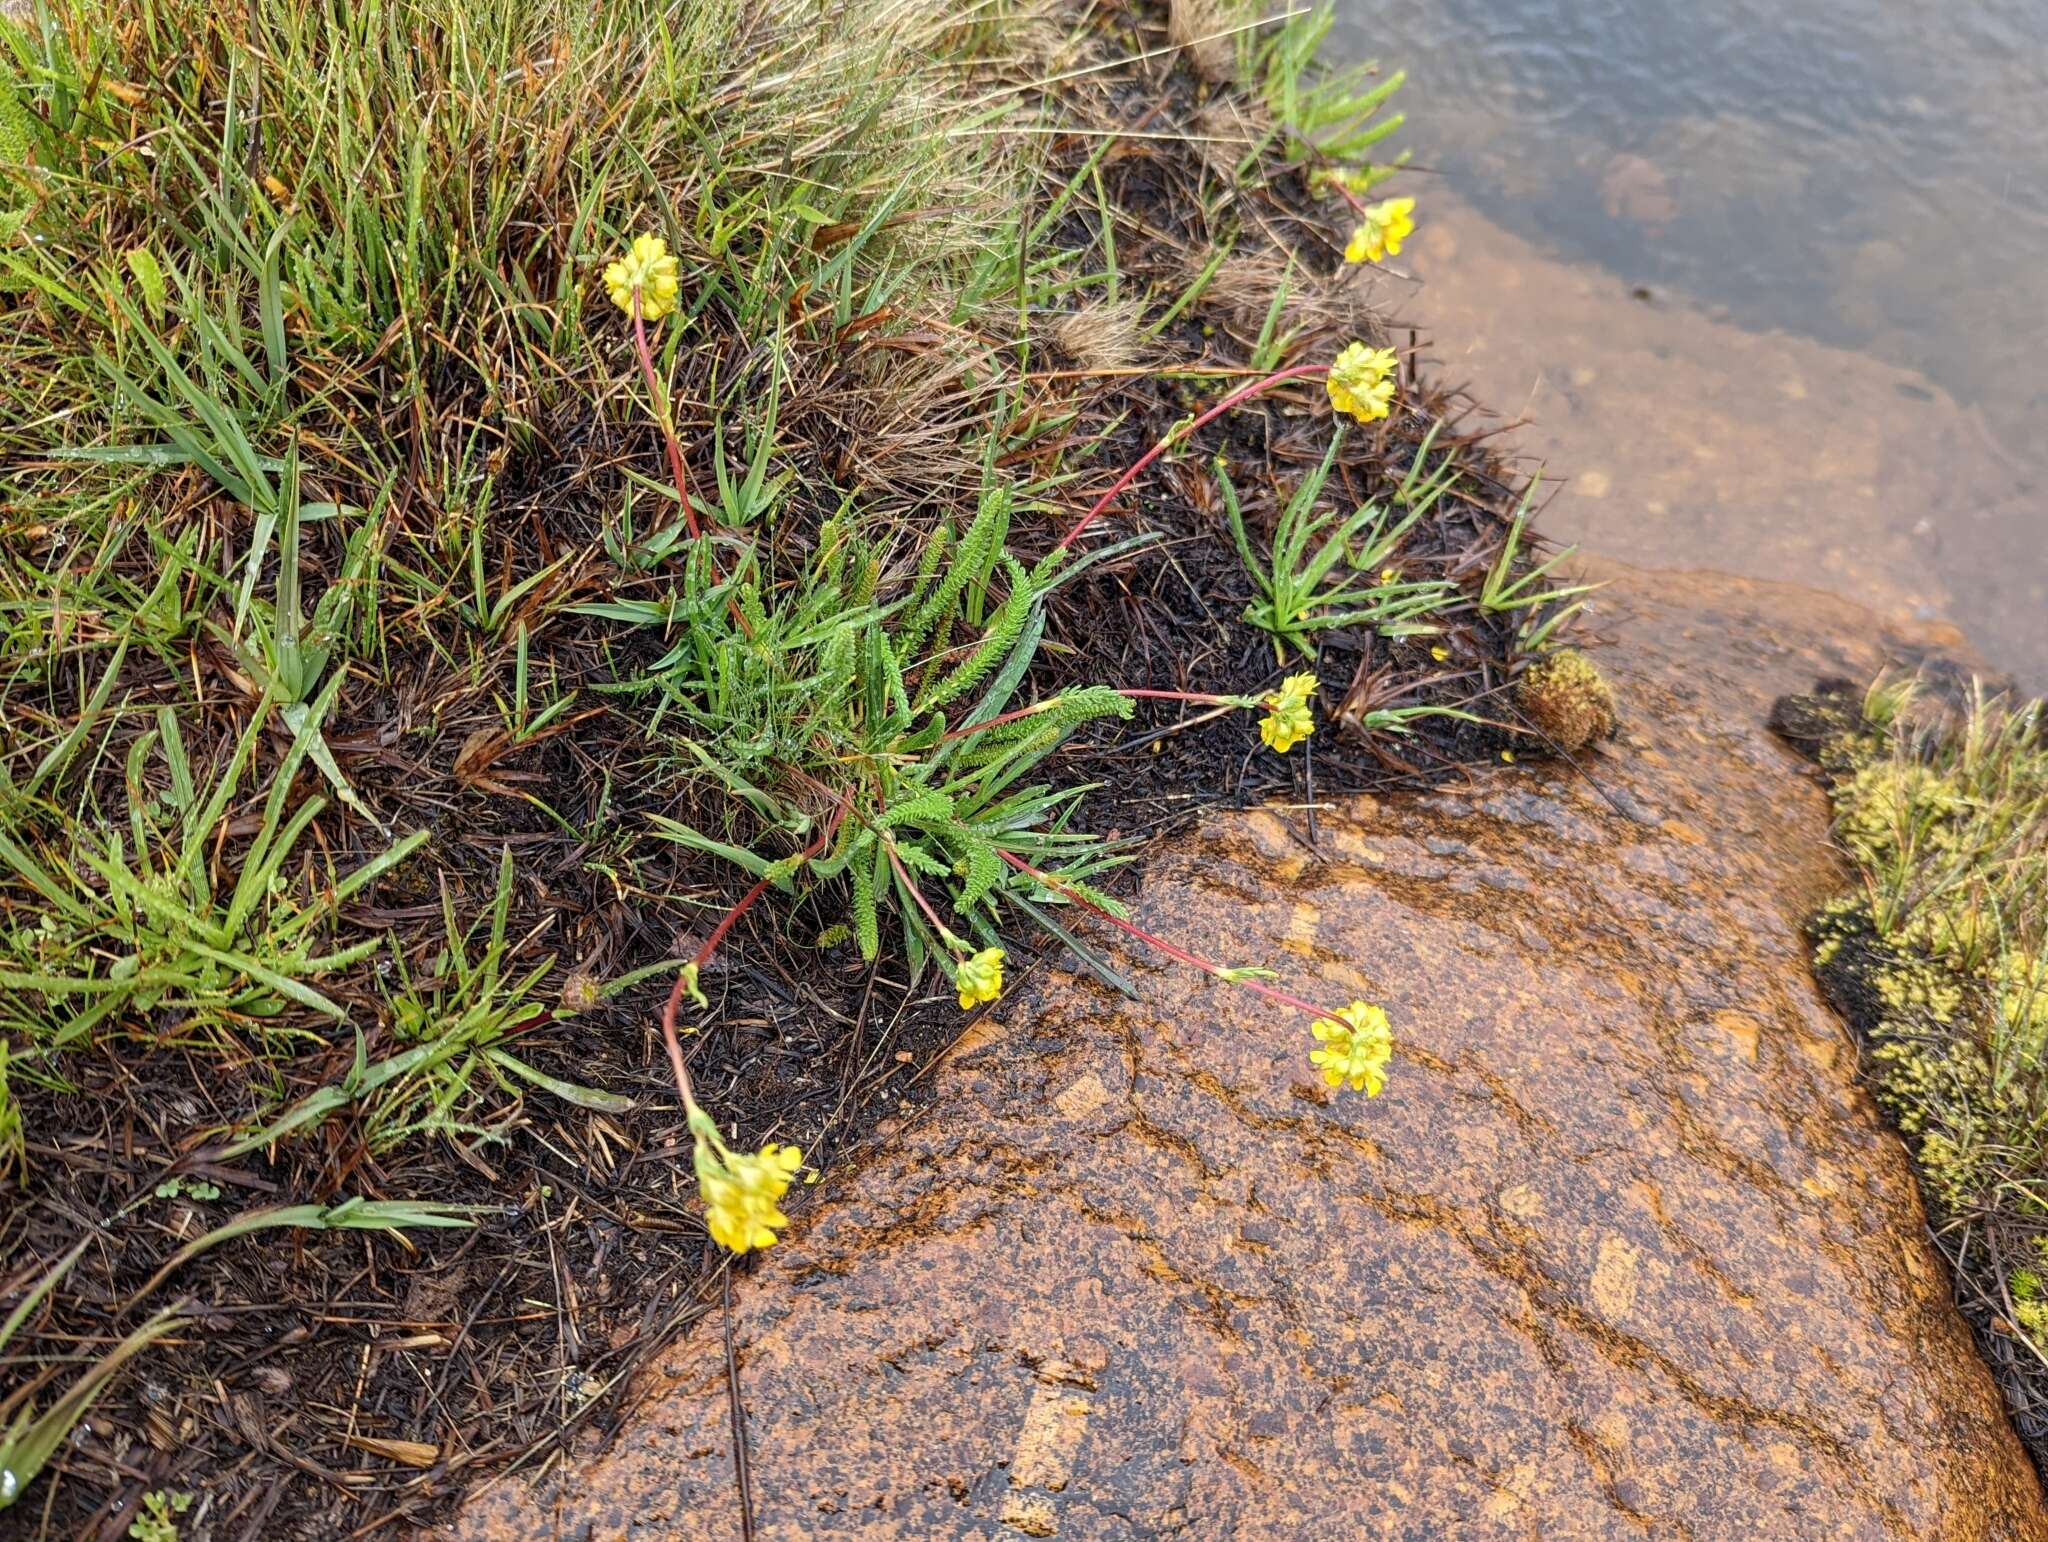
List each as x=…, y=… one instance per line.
x=1864, y=176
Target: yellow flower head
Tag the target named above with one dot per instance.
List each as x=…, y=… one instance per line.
x=646, y=269
x=742, y=1193
x=1362, y=382
x=979, y=978
x=1355, y=1047
x=1289, y=718
x=1302, y=687
x=1380, y=233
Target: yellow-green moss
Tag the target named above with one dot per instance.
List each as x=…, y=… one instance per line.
x=1889, y=808
x=1940, y=956
x=2024, y=1286
x=1914, y=984
x=1567, y=699
x=1934, y=1080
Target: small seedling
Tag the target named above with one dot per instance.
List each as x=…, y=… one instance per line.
x=459, y=1021
x=1505, y=590
x=158, y=1519
x=181, y=1187
x=1295, y=599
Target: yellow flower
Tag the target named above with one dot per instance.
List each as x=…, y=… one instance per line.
x=1289, y=718
x=1388, y=575
x=1386, y=225
x=1362, y=382
x=1300, y=687
x=648, y=269
x=742, y=1193
x=1439, y=653
x=979, y=978
x=1356, y=1046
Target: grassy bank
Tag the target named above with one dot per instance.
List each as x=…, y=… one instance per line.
x=576, y=583
x=1940, y=960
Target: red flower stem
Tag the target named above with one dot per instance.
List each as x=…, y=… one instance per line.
x=1001, y=718
x=945, y=932
x=675, y=457
x=668, y=432
x=1173, y=437
x=1178, y=955
x=683, y=976
x=675, y=1056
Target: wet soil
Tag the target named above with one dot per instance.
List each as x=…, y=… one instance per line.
x=1623, y=1250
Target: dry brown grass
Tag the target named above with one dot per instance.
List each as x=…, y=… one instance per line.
x=1103, y=335
x=1199, y=28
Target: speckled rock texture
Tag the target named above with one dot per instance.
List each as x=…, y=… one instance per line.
x=1622, y=1251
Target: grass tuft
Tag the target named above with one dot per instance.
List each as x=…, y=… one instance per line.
x=1940, y=959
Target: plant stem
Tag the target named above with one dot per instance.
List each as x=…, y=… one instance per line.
x=1173, y=436
x=661, y=412
x=1177, y=954
x=683, y=976
x=945, y=932
x=1001, y=718
x=675, y=1054
x=1206, y=698
x=675, y=457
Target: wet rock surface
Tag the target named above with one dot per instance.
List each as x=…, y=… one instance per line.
x=1622, y=1251
x=1687, y=441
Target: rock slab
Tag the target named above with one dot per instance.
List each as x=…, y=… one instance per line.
x=1623, y=1250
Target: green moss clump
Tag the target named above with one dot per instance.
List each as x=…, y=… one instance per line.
x=1567, y=699
x=1940, y=956
x=1933, y=1081
x=2024, y=1287
x=1887, y=807
x=1830, y=724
